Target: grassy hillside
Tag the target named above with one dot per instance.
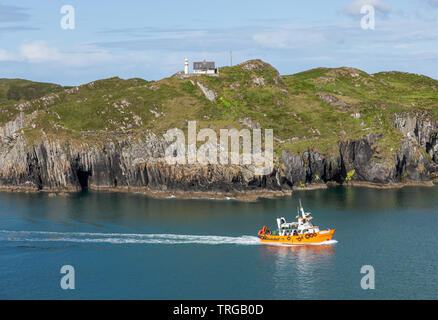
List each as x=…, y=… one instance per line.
x=13, y=90
x=311, y=109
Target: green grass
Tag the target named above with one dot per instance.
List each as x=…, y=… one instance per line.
x=291, y=105
x=14, y=90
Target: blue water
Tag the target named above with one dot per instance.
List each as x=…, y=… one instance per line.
x=128, y=246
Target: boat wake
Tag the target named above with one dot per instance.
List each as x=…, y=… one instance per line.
x=124, y=238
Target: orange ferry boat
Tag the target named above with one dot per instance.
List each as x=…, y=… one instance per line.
x=301, y=232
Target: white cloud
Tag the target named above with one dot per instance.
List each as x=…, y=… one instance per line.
x=5, y=56
x=38, y=51
x=353, y=8
x=288, y=38
x=41, y=52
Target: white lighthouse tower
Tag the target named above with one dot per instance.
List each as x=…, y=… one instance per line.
x=186, y=66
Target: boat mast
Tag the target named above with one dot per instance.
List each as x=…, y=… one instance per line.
x=302, y=210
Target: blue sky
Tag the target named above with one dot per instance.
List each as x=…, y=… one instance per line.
x=150, y=39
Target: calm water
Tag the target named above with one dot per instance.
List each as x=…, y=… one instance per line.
x=131, y=246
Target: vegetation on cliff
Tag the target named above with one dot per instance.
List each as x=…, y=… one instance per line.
x=314, y=109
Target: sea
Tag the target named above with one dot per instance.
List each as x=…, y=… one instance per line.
x=102, y=245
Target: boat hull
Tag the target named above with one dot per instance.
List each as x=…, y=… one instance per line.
x=303, y=239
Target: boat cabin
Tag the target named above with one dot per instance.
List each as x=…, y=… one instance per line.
x=301, y=226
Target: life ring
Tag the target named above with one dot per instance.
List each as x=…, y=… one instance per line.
x=288, y=238
x=307, y=235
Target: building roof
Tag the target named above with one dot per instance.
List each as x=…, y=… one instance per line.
x=204, y=65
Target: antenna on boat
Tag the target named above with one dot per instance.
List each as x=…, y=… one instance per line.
x=303, y=214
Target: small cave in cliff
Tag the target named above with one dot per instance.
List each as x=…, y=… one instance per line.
x=83, y=177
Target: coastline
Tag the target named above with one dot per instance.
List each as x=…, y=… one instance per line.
x=244, y=196
x=388, y=186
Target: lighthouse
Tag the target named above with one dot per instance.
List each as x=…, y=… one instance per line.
x=186, y=66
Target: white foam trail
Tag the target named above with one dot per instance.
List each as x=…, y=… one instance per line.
x=128, y=238
x=329, y=242
x=123, y=238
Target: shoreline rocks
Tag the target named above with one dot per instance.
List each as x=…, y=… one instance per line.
x=62, y=167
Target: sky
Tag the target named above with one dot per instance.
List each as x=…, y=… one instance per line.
x=150, y=39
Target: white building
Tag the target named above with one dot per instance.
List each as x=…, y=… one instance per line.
x=204, y=67
x=186, y=66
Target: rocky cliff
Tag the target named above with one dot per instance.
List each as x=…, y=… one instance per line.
x=139, y=166
x=124, y=165
x=117, y=144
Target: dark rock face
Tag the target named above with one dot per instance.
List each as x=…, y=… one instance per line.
x=53, y=166
x=419, y=130
x=56, y=167
x=313, y=167
x=408, y=164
